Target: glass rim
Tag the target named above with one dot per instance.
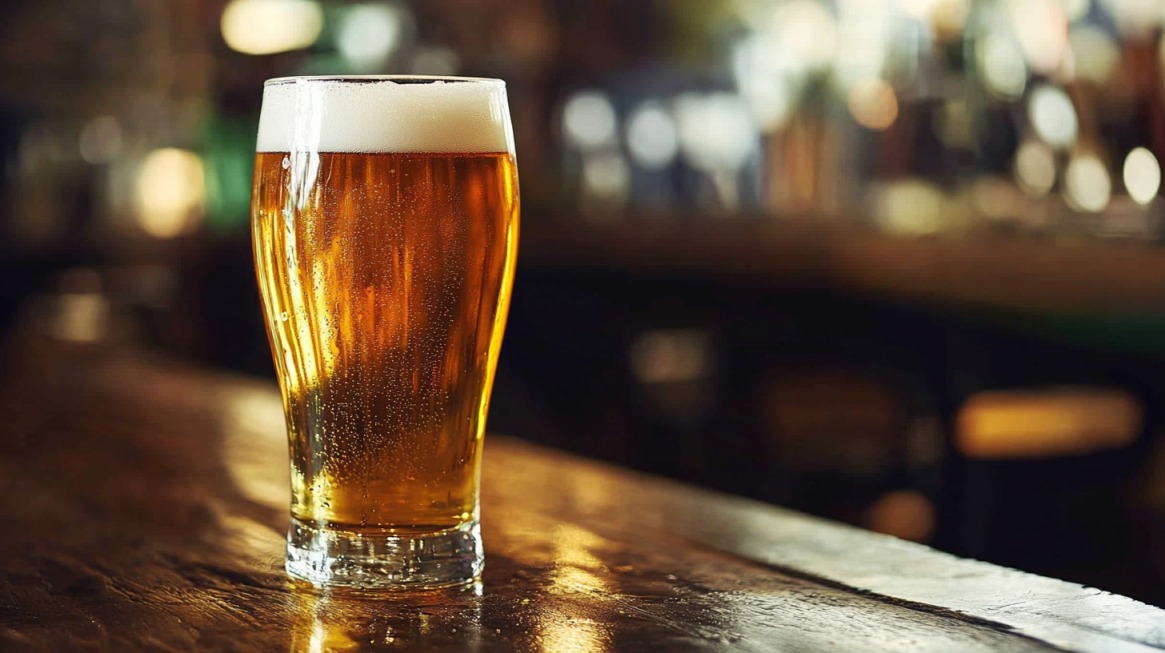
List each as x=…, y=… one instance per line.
x=372, y=79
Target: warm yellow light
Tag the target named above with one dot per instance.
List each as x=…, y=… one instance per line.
x=1035, y=167
x=911, y=207
x=808, y=30
x=271, y=26
x=1087, y=184
x=81, y=317
x=873, y=104
x=170, y=191
x=571, y=635
x=1041, y=26
x=1039, y=423
x=907, y=514
x=948, y=18
x=326, y=637
x=253, y=430
x=1142, y=175
x=575, y=562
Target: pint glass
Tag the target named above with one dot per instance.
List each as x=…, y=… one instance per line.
x=385, y=231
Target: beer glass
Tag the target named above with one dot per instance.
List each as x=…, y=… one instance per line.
x=385, y=232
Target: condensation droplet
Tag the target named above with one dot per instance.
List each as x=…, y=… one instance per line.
x=286, y=162
x=283, y=316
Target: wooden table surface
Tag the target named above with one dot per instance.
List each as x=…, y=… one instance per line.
x=145, y=505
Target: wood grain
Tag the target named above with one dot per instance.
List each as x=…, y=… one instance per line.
x=145, y=506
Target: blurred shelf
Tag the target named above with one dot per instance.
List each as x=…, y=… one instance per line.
x=1091, y=278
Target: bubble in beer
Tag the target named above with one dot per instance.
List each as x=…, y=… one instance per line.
x=397, y=267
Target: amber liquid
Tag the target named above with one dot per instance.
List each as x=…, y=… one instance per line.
x=385, y=281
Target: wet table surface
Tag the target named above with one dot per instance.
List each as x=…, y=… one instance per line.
x=145, y=506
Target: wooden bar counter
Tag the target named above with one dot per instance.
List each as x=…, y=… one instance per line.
x=145, y=506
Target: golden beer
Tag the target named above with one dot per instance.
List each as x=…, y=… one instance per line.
x=385, y=278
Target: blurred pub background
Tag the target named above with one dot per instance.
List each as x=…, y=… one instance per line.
x=899, y=263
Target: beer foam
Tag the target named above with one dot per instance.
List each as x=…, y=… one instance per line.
x=379, y=114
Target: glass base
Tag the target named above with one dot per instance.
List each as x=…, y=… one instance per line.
x=334, y=558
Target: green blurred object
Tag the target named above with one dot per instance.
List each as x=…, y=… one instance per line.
x=228, y=148
x=1122, y=332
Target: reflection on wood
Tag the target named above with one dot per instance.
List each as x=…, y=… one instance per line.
x=146, y=504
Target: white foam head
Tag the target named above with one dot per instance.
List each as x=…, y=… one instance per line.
x=385, y=114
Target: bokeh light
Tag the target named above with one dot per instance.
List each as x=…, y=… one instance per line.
x=1041, y=27
x=768, y=80
x=589, y=120
x=271, y=26
x=1142, y=175
x=1053, y=116
x=369, y=34
x=606, y=177
x=435, y=60
x=1035, y=167
x=1087, y=185
x=910, y=207
x=807, y=30
x=715, y=130
x=1004, y=70
x=170, y=189
x=670, y=356
x=651, y=136
x=865, y=27
x=873, y=104
x=905, y=514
